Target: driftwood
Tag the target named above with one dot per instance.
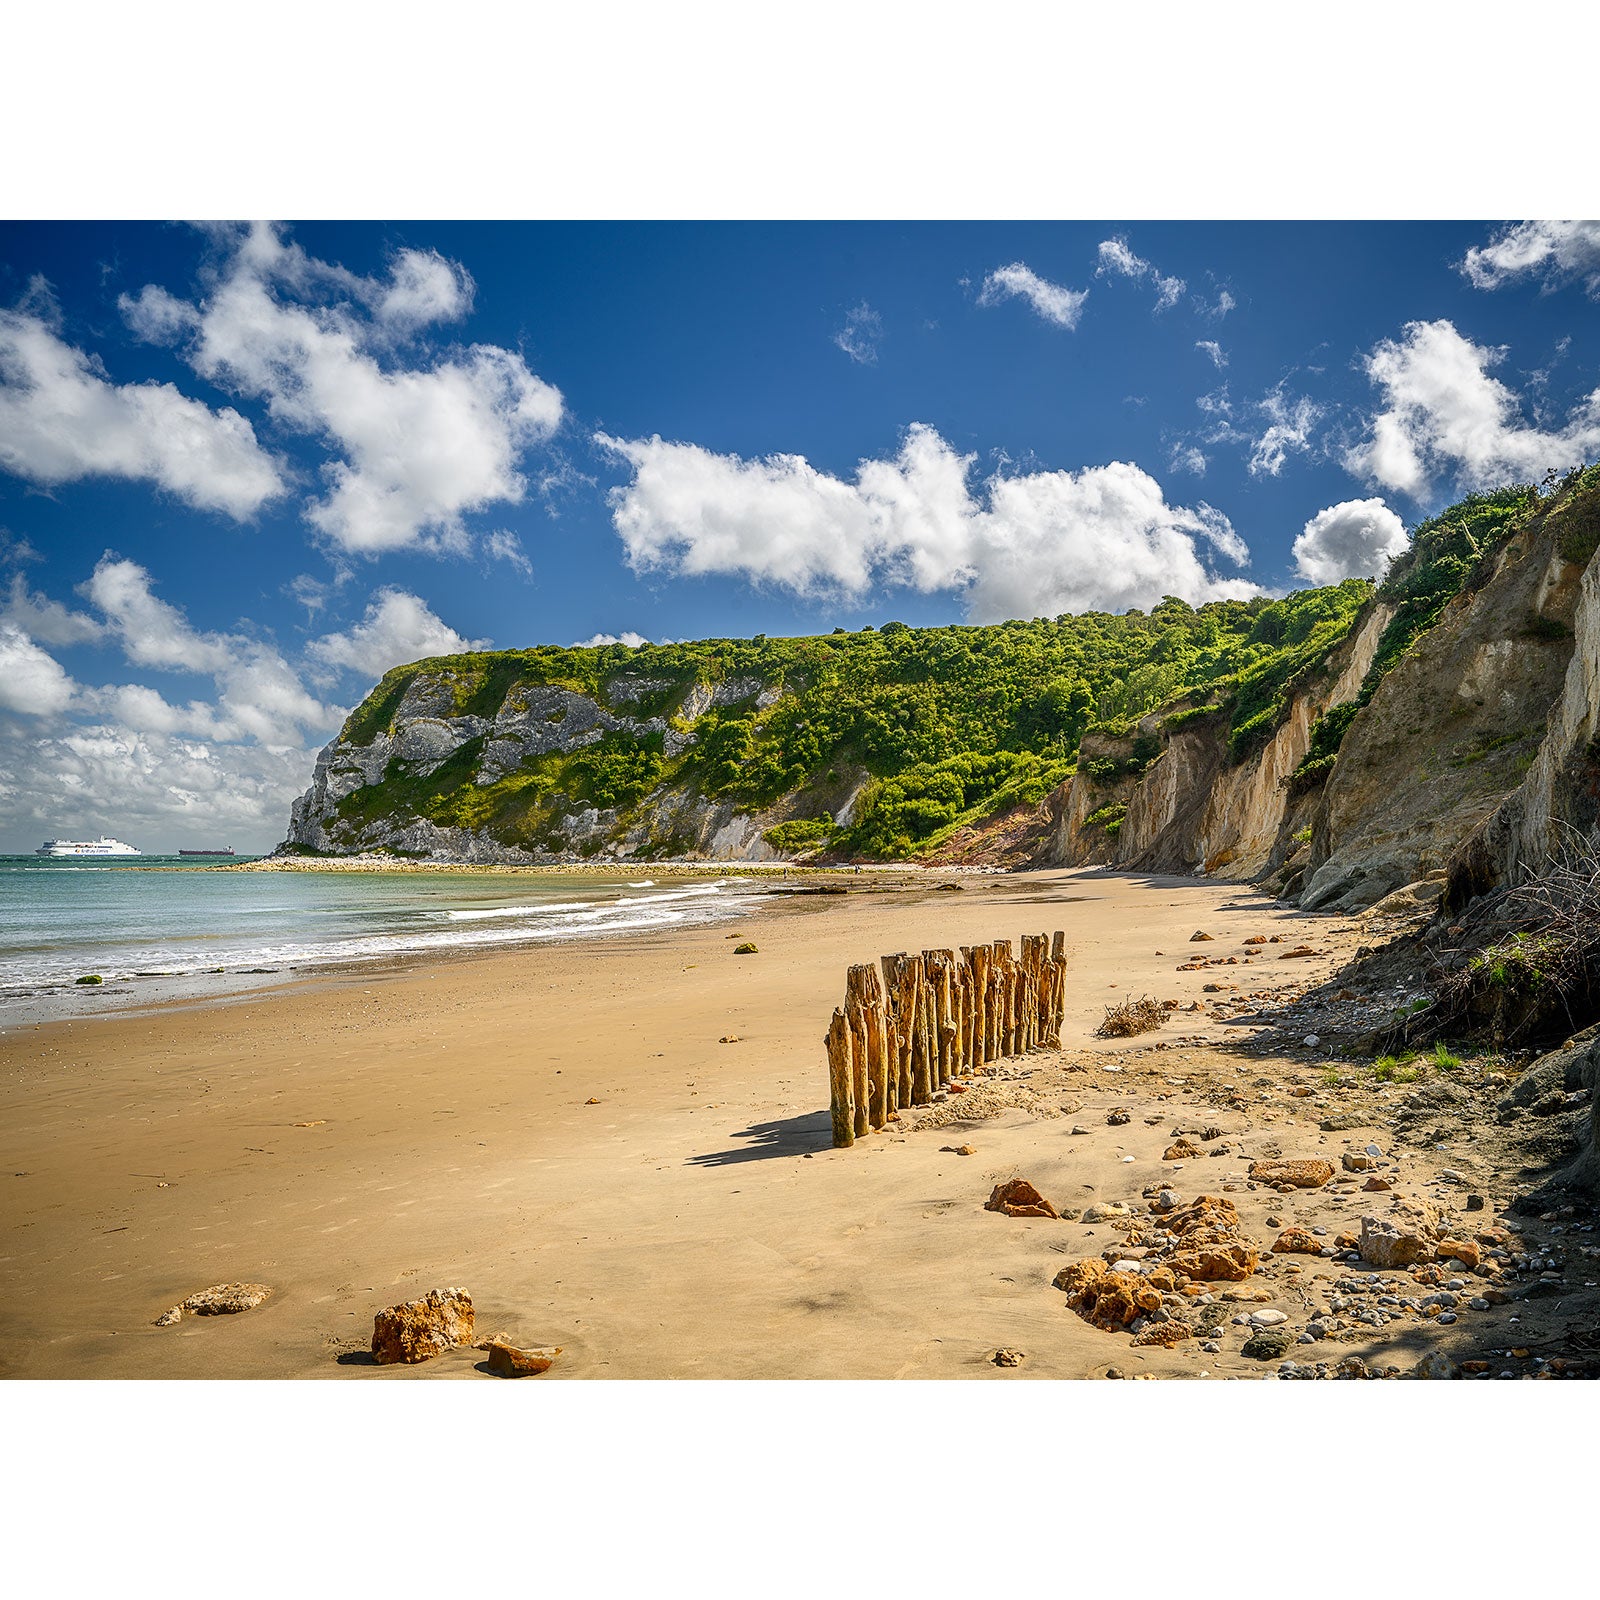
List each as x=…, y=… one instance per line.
x=914, y=1024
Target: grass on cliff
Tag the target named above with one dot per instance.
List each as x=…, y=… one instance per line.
x=948, y=725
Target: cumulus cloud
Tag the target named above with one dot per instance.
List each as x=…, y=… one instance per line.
x=1555, y=252
x=31, y=680
x=419, y=446
x=62, y=418
x=1290, y=420
x=1023, y=545
x=1354, y=539
x=595, y=640
x=1052, y=301
x=1117, y=260
x=158, y=790
x=48, y=620
x=1218, y=356
x=859, y=336
x=260, y=696
x=398, y=628
x=1444, y=412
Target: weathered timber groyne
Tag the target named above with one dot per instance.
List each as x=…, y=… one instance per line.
x=901, y=1038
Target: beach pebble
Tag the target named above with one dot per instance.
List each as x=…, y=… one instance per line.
x=1009, y=1358
x=226, y=1299
x=507, y=1361
x=1268, y=1318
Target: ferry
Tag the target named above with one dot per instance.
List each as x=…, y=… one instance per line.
x=86, y=847
x=226, y=850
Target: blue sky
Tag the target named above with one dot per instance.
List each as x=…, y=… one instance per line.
x=244, y=471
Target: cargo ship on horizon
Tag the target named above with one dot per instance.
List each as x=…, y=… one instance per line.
x=226, y=850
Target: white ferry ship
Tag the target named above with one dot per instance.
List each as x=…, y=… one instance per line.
x=86, y=847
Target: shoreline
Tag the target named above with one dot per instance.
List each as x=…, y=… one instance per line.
x=623, y=1148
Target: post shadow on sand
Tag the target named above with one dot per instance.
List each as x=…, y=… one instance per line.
x=787, y=1136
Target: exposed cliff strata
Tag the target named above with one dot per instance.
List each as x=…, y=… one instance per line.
x=358, y=794
x=1190, y=809
x=1562, y=787
x=1451, y=732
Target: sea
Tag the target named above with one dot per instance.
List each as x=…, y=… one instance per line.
x=162, y=928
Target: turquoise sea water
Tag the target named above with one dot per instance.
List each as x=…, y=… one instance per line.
x=157, y=927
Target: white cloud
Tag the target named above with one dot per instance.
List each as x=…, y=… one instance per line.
x=1117, y=260
x=1052, y=301
x=1444, y=413
x=1223, y=305
x=62, y=419
x=1289, y=425
x=595, y=640
x=1025, y=545
x=1556, y=252
x=859, y=336
x=157, y=790
x=260, y=695
x=1354, y=539
x=420, y=446
x=507, y=547
x=398, y=628
x=1187, y=458
x=48, y=620
x=31, y=681
x=1218, y=356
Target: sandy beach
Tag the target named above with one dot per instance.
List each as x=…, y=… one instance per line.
x=622, y=1147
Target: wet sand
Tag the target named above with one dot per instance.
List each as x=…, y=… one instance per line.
x=562, y=1132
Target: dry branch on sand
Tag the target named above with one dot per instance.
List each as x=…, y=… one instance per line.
x=1128, y=1017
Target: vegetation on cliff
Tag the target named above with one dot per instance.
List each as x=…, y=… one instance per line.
x=942, y=726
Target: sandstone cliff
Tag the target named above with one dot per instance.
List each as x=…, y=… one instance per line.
x=1191, y=809
x=1474, y=740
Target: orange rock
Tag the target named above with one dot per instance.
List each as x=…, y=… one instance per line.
x=422, y=1329
x=1297, y=1174
x=1299, y=950
x=1458, y=1250
x=1213, y=1262
x=1076, y=1278
x=507, y=1361
x=1182, y=1150
x=1376, y=1185
x=1296, y=1241
x=1162, y=1278
x=1110, y=1300
x=1259, y=939
x=1019, y=1198
x=1346, y=1241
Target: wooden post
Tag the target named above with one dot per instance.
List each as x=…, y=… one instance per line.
x=840, y=1081
x=961, y=1060
x=870, y=994
x=1004, y=1001
x=978, y=959
x=1058, y=997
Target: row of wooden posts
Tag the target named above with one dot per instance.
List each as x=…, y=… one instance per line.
x=899, y=1040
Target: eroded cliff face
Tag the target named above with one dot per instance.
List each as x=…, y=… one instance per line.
x=1561, y=790
x=358, y=794
x=1452, y=731
x=1190, y=810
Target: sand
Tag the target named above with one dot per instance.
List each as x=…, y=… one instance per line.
x=562, y=1132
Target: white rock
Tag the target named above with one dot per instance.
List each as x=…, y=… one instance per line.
x=1268, y=1318
x=1312, y=1041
